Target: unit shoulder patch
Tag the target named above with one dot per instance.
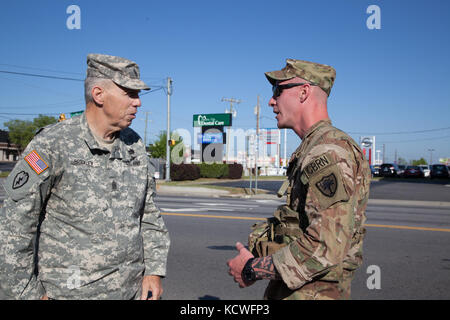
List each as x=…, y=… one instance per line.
x=328, y=187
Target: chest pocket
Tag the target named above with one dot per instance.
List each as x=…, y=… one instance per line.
x=81, y=189
x=131, y=190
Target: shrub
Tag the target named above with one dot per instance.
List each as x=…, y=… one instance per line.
x=235, y=171
x=213, y=170
x=180, y=172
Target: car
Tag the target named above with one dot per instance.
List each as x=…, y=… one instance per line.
x=439, y=171
x=426, y=170
x=390, y=170
x=401, y=170
x=375, y=170
x=414, y=172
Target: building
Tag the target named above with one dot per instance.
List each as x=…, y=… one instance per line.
x=8, y=151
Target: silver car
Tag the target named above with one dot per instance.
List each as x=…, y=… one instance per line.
x=426, y=170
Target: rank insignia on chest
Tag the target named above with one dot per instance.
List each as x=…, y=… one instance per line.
x=36, y=163
x=327, y=185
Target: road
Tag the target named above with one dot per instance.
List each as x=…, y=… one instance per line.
x=410, y=245
x=435, y=190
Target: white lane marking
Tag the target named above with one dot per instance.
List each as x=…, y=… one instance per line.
x=226, y=205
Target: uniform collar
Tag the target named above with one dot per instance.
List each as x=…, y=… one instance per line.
x=119, y=150
x=316, y=126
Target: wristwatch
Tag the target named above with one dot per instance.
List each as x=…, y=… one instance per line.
x=248, y=273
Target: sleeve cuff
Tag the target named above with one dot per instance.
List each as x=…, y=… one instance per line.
x=291, y=272
x=154, y=269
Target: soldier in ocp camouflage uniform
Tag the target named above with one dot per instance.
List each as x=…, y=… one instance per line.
x=312, y=245
x=87, y=185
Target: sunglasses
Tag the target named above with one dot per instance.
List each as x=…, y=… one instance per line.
x=278, y=88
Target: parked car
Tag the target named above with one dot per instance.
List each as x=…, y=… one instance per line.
x=390, y=170
x=426, y=170
x=375, y=171
x=439, y=171
x=401, y=170
x=414, y=172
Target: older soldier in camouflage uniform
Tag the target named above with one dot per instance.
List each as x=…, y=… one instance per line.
x=312, y=246
x=80, y=221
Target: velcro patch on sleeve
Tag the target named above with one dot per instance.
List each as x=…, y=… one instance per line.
x=328, y=187
x=36, y=162
x=315, y=166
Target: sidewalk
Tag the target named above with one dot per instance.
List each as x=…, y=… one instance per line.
x=222, y=192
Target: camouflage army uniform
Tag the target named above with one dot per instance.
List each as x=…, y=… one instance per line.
x=100, y=230
x=316, y=239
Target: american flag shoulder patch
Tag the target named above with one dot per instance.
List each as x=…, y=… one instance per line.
x=35, y=161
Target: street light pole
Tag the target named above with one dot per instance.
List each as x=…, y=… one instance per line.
x=431, y=156
x=169, y=93
x=231, y=101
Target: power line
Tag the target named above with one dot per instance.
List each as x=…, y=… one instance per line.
x=416, y=140
x=28, y=114
x=40, y=75
x=401, y=132
x=40, y=69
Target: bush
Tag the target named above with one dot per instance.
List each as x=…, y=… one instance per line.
x=180, y=172
x=213, y=170
x=235, y=171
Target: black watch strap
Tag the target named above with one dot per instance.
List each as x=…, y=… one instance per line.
x=248, y=273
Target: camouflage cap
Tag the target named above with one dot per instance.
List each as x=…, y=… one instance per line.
x=121, y=71
x=319, y=74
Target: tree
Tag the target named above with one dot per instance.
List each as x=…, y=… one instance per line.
x=158, y=148
x=402, y=161
x=21, y=132
x=419, y=162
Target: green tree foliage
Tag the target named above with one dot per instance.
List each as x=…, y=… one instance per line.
x=418, y=162
x=402, y=161
x=158, y=148
x=21, y=132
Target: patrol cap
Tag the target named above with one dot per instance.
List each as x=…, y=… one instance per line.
x=319, y=74
x=121, y=71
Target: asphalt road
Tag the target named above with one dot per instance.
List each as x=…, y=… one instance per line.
x=436, y=190
x=409, y=245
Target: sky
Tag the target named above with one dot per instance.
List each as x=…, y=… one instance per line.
x=391, y=82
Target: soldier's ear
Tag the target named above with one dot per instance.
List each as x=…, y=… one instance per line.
x=304, y=93
x=98, y=95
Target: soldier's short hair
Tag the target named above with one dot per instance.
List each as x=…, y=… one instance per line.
x=89, y=83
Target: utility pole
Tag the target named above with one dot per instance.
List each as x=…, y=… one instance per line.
x=231, y=101
x=431, y=156
x=169, y=93
x=384, y=153
x=257, y=142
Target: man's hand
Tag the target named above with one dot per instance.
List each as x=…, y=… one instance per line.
x=153, y=284
x=237, y=264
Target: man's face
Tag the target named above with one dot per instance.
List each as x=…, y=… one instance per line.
x=287, y=105
x=120, y=105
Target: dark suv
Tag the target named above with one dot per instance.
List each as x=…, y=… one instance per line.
x=390, y=170
x=439, y=171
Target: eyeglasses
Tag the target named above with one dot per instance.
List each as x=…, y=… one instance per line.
x=278, y=88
